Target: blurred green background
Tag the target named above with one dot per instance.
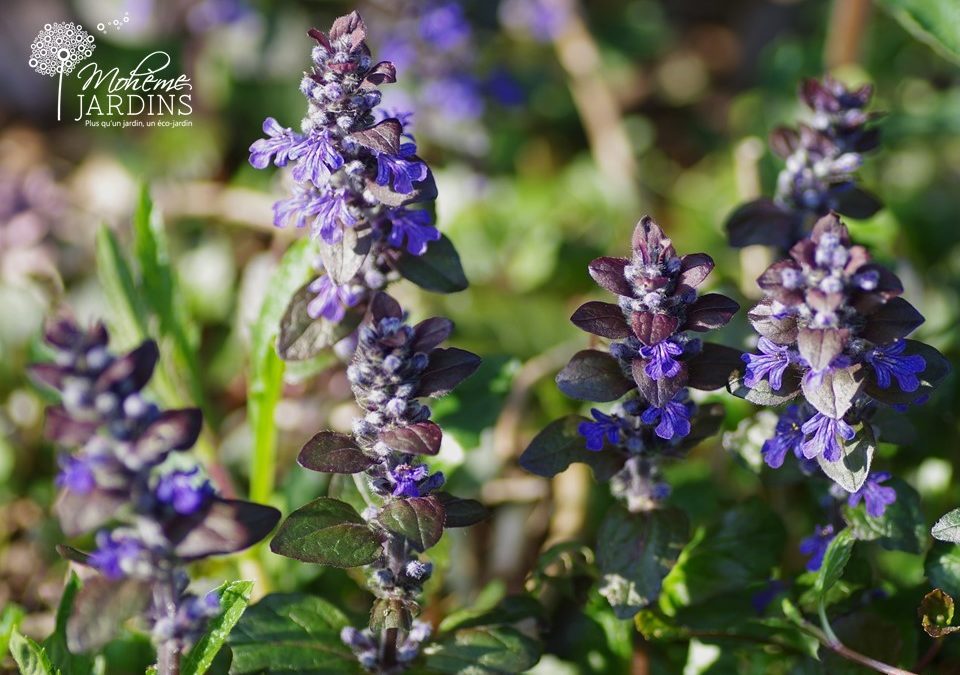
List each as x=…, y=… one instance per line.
x=552, y=127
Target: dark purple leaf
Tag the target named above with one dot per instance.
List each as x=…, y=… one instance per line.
x=344, y=259
x=857, y=203
x=382, y=137
x=593, y=375
x=383, y=306
x=709, y=312
x=601, y=318
x=330, y=452
x=429, y=333
x=133, y=370
x=821, y=346
x=48, y=374
x=227, y=526
x=760, y=222
x=608, y=273
x=63, y=429
x=783, y=141
x=417, y=439
x=461, y=512
x=705, y=424
x=381, y=73
x=783, y=331
x=319, y=36
x=329, y=532
x=650, y=242
x=893, y=320
x=694, y=269
x=82, y=513
x=172, y=430
x=833, y=392
x=712, y=367
x=653, y=328
x=101, y=608
x=559, y=445
x=658, y=392
x=350, y=26
x=438, y=270
x=446, y=369
x=418, y=520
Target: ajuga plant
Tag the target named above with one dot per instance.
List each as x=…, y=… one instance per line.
x=821, y=158
x=360, y=189
x=150, y=515
x=394, y=366
x=654, y=357
x=832, y=346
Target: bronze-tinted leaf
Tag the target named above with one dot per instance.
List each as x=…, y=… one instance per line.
x=601, y=318
x=382, y=137
x=783, y=141
x=172, y=430
x=783, y=331
x=302, y=337
x=893, y=320
x=593, y=375
x=658, y=392
x=461, y=512
x=821, y=346
x=82, y=513
x=381, y=73
x=60, y=428
x=329, y=532
x=133, y=370
x=227, y=526
x=429, y=333
x=418, y=520
x=350, y=26
x=608, y=273
x=417, y=439
x=344, y=259
x=101, y=608
x=330, y=452
x=712, y=367
x=48, y=374
x=652, y=328
x=709, y=312
x=446, y=369
x=694, y=269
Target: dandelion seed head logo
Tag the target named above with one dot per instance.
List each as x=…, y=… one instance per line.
x=57, y=50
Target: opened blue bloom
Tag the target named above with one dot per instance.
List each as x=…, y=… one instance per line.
x=281, y=145
x=414, y=226
x=788, y=438
x=318, y=158
x=822, y=432
x=661, y=364
x=332, y=300
x=297, y=208
x=877, y=497
x=816, y=545
x=116, y=554
x=76, y=474
x=333, y=214
x=888, y=361
x=413, y=480
x=186, y=492
x=606, y=428
x=673, y=418
x=772, y=363
x=399, y=170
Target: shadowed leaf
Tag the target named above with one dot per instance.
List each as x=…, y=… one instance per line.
x=438, y=270
x=328, y=532
x=601, y=318
x=559, y=444
x=227, y=526
x=851, y=470
x=447, y=368
x=593, y=375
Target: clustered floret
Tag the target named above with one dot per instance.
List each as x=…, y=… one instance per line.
x=357, y=173
x=654, y=356
x=819, y=177
x=120, y=475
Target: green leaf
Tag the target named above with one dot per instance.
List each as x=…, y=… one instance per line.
x=851, y=470
x=635, y=551
x=942, y=567
x=934, y=22
x=901, y=527
x=266, y=367
x=559, y=445
x=438, y=270
x=948, y=527
x=834, y=562
x=234, y=596
x=329, y=532
x=418, y=520
x=936, y=614
x=736, y=552
x=129, y=313
x=56, y=645
x=291, y=633
x=489, y=650
x=30, y=657
x=10, y=619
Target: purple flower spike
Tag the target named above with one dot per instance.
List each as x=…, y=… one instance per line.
x=331, y=301
x=887, y=362
x=606, y=428
x=281, y=145
x=822, y=432
x=771, y=363
x=788, y=437
x=185, y=491
x=816, y=545
x=413, y=226
x=674, y=419
x=661, y=364
x=399, y=171
x=877, y=497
